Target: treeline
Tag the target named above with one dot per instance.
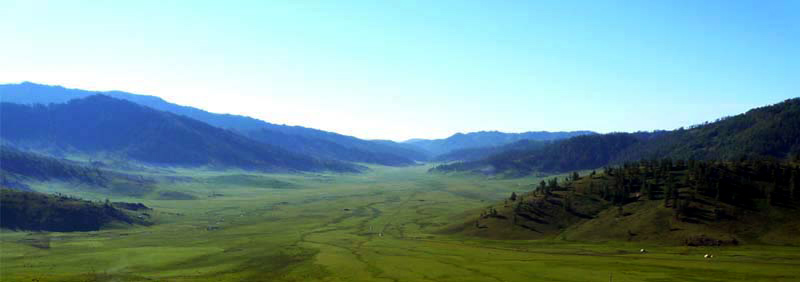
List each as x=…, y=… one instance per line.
x=472, y=154
x=45, y=168
x=726, y=187
x=766, y=132
x=21, y=167
x=577, y=153
x=36, y=211
x=667, y=201
x=771, y=132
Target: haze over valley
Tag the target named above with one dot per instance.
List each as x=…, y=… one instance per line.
x=441, y=141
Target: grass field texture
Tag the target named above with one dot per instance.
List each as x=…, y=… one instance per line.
x=379, y=226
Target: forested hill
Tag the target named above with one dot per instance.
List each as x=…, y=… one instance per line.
x=325, y=149
x=296, y=139
x=664, y=201
x=766, y=132
x=770, y=131
x=22, y=210
x=104, y=125
x=473, y=154
x=582, y=152
x=19, y=168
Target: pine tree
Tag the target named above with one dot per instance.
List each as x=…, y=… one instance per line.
x=668, y=194
x=792, y=184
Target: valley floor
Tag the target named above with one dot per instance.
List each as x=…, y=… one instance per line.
x=379, y=226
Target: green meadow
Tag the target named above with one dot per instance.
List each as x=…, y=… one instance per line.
x=384, y=225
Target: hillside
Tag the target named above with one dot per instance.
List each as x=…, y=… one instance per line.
x=325, y=149
x=766, y=132
x=771, y=131
x=474, y=154
x=22, y=210
x=577, y=153
x=296, y=139
x=683, y=202
x=488, y=139
x=112, y=127
x=18, y=168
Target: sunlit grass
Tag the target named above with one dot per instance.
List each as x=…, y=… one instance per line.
x=382, y=225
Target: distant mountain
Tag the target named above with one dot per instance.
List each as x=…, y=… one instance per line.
x=117, y=128
x=303, y=140
x=386, y=149
x=323, y=148
x=32, y=93
x=488, y=139
x=582, y=152
x=473, y=154
x=767, y=132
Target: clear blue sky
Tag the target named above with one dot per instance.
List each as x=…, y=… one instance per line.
x=420, y=69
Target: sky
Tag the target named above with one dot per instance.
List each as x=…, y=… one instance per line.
x=420, y=69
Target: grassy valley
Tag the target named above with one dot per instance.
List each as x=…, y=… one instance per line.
x=387, y=224
x=540, y=210
x=422, y=141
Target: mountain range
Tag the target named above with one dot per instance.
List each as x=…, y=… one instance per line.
x=770, y=132
x=102, y=125
x=299, y=140
x=488, y=139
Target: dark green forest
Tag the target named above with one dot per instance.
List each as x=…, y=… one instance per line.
x=771, y=132
x=472, y=154
x=687, y=202
x=19, y=167
x=41, y=212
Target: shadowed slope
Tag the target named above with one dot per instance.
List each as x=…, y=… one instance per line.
x=104, y=125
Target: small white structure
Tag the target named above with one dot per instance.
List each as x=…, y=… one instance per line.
x=708, y=256
x=642, y=251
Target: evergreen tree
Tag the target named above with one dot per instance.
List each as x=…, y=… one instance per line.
x=792, y=184
x=668, y=193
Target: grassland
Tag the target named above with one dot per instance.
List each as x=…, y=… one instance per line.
x=380, y=226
